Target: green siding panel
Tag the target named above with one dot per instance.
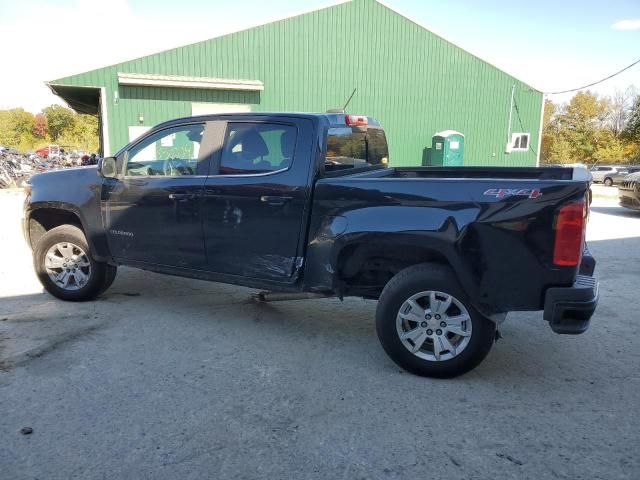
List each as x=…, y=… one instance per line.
x=413, y=81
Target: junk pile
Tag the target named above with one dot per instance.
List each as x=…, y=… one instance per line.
x=16, y=168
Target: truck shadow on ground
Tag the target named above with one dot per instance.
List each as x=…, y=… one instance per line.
x=617, y=211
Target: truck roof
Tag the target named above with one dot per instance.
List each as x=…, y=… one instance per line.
x=332, y=119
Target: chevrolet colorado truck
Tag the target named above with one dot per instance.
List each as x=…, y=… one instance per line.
x=306, y=203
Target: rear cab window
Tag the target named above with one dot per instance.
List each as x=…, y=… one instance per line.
x=354, y=147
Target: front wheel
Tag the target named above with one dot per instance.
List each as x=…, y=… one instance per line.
x=427, y=325
x=65, y=267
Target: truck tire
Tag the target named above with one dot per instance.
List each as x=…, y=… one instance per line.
x=110, y=277
x=65, y=267
x=427, y=325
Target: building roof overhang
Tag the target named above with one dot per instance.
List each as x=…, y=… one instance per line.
x=177, y=81
x=81, y=99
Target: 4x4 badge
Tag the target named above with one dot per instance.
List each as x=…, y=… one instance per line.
x=513, y=192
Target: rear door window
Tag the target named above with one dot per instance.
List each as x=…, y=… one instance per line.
x=257, y=148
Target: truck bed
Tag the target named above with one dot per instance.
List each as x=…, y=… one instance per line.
x=514, y=173
x=495, y=226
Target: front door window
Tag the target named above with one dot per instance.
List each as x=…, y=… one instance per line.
x=171, y=152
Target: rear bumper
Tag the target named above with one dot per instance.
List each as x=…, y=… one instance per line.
x=588, y=264
x=569, y=309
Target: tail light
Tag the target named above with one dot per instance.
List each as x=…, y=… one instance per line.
x=569, y=235
x=356, y=120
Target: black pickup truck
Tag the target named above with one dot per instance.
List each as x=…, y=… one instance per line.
x=306, y=203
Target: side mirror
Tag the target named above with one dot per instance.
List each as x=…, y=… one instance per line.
x=107, y=167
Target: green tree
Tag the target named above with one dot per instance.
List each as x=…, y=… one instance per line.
x=59, y=120
x=580, y=121
x=15, y=127
x=609, y=148
x=632, y=128
x=549, y=131
x=561, y=151
x=6, y=128
x=25, y=131
x=83, y=134
x=588, y=129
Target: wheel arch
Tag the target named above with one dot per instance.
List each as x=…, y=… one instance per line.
x=41, y=217
x=369, y=261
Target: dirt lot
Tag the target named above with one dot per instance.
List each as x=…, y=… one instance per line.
x=170, y=378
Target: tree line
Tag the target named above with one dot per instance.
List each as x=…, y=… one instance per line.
x=55, y=124
x=592, y=129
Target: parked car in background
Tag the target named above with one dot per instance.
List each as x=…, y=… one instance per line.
x=603, y=173
x=620, y=175
x=629, y=191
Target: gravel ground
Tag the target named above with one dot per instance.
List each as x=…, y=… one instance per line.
x=169, y=378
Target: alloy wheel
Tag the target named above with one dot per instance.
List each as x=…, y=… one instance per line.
x=68, y=266
x=434, y=326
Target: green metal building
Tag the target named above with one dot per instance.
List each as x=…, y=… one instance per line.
x=413, y=81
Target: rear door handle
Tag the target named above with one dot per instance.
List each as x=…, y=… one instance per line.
x=275, y=200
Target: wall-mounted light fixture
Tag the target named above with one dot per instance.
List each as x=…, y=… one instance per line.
x=140, y=119
x=115, y=97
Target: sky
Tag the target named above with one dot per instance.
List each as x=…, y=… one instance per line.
x=551, y=45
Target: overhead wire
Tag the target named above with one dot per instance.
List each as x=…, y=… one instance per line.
x=594, y=83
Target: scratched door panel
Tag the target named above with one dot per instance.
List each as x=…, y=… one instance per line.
x=254, y=205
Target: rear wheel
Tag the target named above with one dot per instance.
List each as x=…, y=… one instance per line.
x=608, y=182
x=65, y=267
x=427, y=325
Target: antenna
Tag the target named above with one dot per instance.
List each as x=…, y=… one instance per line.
x=349, y=101
x=343, y=109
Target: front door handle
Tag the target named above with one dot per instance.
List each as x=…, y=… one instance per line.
x=181, y=196
x=275, y=200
